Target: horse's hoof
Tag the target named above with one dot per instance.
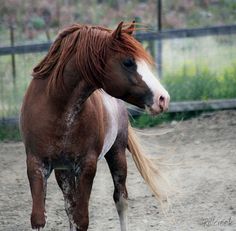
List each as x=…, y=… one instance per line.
x=38, y=221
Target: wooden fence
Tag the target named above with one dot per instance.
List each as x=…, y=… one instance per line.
x=147, y=36
x=153, y=36
x=187, y=106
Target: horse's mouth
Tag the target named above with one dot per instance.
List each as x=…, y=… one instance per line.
x=153, y=112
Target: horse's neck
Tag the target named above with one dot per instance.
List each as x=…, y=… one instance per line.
x=75, y=99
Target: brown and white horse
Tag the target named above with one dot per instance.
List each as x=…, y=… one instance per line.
x=73, y=115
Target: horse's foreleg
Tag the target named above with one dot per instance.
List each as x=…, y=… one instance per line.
x=84, y=181
x=66, y=181
x=37, y=173
x=118, y=167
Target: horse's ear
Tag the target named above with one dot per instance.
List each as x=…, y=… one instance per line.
x=131, y=28
x=117, y=32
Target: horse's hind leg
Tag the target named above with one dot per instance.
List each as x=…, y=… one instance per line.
x=38, y=172
x=66, y=182
x=118, y=167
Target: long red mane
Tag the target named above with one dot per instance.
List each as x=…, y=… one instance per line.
x=91, y=46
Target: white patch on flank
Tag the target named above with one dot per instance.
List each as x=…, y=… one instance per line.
x=152, y=82
x=111, y=106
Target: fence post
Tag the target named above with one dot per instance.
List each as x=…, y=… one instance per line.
x=13, y=62
x=159, y=42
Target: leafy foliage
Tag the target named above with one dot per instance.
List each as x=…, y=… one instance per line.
x=50, y=15
x=202, y=84
x=38, y=22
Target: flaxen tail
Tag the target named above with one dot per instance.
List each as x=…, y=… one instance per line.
x=150, y=171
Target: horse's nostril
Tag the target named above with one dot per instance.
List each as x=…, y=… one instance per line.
x=162, y=102
x=162, y=99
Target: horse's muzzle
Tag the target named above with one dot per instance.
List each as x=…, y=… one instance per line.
x=161, y=104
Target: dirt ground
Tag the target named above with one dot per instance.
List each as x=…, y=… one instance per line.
x=201, y=154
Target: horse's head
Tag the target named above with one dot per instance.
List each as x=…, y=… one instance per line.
x=129, y=75
x=112, y=60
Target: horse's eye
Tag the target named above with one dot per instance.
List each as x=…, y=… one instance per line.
x=129, y=63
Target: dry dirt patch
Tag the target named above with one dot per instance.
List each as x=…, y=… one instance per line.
x=203, y=153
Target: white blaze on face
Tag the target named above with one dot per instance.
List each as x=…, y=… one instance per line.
x=161, y=97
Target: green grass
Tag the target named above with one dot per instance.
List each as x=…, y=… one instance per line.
x=11, y=95
x=192, y=84
x=9, y=133
x=145, y=120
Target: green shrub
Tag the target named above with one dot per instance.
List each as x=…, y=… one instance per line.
x=227, y=83
x=201, y=84
x=37, y=22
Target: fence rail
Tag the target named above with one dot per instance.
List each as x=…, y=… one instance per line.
x=147, y=36
x=24, y=49
x=188, y=33
x=185, y=106
x=150, y=36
